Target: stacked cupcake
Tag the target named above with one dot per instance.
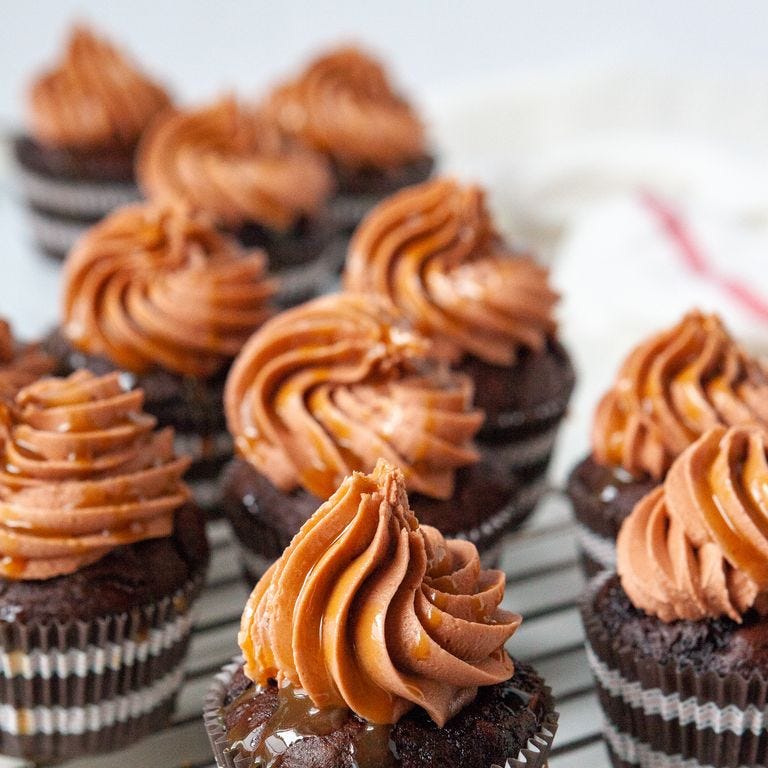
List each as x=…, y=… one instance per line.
x=86, y=116
x=101, y=557
x=669, y=391
x=374, y=641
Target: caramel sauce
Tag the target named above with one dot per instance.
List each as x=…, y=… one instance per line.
x=13, y=567
x=296, y=718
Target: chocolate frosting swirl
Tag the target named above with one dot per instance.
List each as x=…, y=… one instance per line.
x=82, y=473
x=671, y=389
x=697, y=547
x=330, y=386
x=19, y=364
x=431, y=250
x=343, y=105
x=95, y=97
x=230, y=162
x=155, y=286
x=368, y=610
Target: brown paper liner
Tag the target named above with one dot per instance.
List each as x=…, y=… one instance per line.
x=693, y=741
x=533, y=755
x=158, y=676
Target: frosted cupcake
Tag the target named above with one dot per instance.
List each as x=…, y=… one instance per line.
x=431, y=252
x=678, y=641
x=160, y=294
x=101, y=557
x=329, y=387
x=669, y=391
x=374, y=641
x=85, y=118
x=344, y=106
x=229, y=162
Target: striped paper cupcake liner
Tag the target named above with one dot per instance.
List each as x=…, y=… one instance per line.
x=659, y=715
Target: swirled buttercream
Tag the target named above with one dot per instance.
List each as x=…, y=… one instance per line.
x=330, y=386
x=697, y=546
x=368, y=610
x=95, y=97
x=343, y=105
x=230, y=162
x=152, y=285
x=432, y=251
x=20, y=364
x=83, y=472
x=674, y=387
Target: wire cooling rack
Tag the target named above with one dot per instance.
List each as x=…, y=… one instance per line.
x=544, y=584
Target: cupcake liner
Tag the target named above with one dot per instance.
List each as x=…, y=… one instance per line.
x=347, y=211
x=218, y=447
x=57, y=236
x=80, y=687
x=304, y=281
x=76, y=199
x=529, y=450
x=533, y=755
x=671, y=710
x=598, y=552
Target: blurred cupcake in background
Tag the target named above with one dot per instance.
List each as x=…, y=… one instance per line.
x=102, y=555
x=20, y=364
x=229, y=162
x=85, y=118
x=670, y=389
x=344, y=106
x=330, y=387
x=159, y=293
x=677, y=641
x=432, y=253
x=375, y=641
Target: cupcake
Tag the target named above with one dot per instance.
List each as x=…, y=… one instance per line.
x=431, y=252
x=344, y=106
x=678, y=640
x=230, y=162
x=159, y=293
x=86, y=116
x=374, y=641
x=101, y=557
x=327, y=388
x=20, y=364
x=669, y=391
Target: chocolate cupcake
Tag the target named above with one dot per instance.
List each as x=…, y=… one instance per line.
x=20, y=364
x=344, y=106
x=669, y=391
x=86, y=117
x=160, y=294
x=101, y=557
x=374, y=641
x=678, y=641
x=329, y=387
x=431, y=251
x=230, y=162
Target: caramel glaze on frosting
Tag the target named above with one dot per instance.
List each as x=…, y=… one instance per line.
x=155, y=286
x=674, y=387
x=343, y=105
x=368, y=610
x=83, y=472
x=95, y=97
x=697, y=546
x=230, y=162
x=19, y=364
x=330, y=386
x=432, y=252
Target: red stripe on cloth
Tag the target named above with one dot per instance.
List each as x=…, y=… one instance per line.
x=695, y=259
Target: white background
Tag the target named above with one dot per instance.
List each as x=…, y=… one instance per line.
x=201, y=46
